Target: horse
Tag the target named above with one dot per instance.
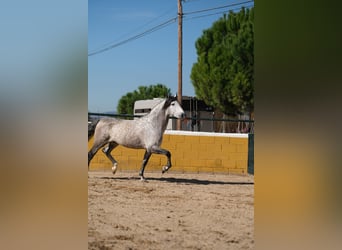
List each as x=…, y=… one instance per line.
x=145, y=132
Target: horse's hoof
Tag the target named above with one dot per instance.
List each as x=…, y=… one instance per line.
x=104, y=150
x=114, y=168
x=143, y=179
x=165, y=168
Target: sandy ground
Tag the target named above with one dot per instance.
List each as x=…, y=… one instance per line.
x=170, y=211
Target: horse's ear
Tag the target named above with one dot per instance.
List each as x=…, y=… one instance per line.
x=172, y=97
x=168, y=101
x=175, y=97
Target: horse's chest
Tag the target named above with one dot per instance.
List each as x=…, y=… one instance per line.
x=153, y=139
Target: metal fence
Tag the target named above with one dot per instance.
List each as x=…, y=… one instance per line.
x=218, y=125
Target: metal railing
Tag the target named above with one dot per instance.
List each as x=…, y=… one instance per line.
x=227, y=125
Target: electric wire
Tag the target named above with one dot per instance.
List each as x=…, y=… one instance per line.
x=186, y=18
x=138, y=28
x=216, y=8
x=149, y=31
x=164, y=24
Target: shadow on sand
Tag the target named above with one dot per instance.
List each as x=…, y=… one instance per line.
x=185, y=181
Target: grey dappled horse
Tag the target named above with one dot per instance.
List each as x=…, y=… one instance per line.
x=143, y=133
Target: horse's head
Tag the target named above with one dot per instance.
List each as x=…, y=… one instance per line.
x=173, y=108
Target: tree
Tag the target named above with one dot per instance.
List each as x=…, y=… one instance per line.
x=223, y=75
x=126, y=102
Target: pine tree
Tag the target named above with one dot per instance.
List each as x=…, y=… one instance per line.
x=223, y=75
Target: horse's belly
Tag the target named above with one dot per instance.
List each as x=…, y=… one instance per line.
x=130, y=145
x=135, y=143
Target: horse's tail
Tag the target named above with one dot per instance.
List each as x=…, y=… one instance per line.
x=91, y=127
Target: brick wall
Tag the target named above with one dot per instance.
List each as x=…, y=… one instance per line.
x=190, y=151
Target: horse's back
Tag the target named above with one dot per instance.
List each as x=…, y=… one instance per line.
x=123, y=132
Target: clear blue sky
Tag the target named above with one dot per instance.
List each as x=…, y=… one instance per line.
x=147, y=60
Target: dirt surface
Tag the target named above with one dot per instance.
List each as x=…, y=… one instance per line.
x=170, y=211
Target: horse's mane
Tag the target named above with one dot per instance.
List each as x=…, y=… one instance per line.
x=161, y=105
x=156, y=108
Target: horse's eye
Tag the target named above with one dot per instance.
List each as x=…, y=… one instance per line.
x=173, y=104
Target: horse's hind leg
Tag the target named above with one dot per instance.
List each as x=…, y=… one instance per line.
x=107, y=150
x=97, y=145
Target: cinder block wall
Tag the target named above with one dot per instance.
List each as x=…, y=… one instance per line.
x=191, y=152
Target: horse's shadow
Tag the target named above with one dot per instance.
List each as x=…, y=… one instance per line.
x=185, y=181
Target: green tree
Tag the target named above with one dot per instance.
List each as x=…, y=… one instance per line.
x=126, y=102
x=223, y=75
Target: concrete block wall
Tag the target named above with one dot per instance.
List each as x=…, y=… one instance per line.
x=191, y=152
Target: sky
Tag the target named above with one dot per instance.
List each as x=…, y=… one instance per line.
x=151, y=58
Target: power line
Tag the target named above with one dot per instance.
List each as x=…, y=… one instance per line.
x=216, y=13
x=216, y=8
x=163, y=25
x=146, y=32
x=136, y=29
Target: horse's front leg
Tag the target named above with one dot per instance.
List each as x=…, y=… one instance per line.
x=165, y=152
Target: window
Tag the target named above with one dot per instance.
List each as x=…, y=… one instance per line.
x=137, y=111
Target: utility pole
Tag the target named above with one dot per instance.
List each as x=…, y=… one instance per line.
x=180, y=58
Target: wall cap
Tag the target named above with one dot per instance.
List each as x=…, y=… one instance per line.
x=190, y=133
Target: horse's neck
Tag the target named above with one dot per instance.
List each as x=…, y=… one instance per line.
x=158, y=117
